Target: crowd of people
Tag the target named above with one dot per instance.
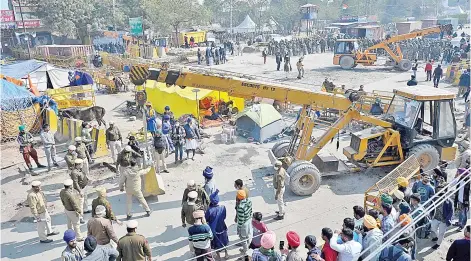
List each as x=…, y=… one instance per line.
x=110, y=48
x=204, y=215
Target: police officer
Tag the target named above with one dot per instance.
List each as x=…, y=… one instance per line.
x=125, y=159
x=70, y=157
x=131, y=182
x=82, y=153
x=72, y=208
x=114, y=140
x=133, y=246
x=80, y=181
x=38, y=205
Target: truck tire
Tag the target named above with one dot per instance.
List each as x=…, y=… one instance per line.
x=347, y=62
x=404, y=65
x=281, y=148
x=427, y=155
x=304, y=179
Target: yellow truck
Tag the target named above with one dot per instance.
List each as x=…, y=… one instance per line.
x=198, y=36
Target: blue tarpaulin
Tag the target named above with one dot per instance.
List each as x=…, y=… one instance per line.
x=14, y=97
x=21, y=69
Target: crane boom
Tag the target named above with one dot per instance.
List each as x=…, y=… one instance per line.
x=249, y=89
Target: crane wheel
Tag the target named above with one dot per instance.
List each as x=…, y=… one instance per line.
x=404, y=65
x=281, y=148
x=427, y=155
x=304, y=179
x=347, y=62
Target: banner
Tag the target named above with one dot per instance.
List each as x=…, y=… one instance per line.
x=7, y=16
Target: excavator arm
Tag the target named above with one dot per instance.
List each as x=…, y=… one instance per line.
x=394, y=39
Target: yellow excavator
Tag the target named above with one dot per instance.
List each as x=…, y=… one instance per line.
x=348, y=55
x=419, y=120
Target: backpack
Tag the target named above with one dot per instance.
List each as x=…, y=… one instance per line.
x=391, y=256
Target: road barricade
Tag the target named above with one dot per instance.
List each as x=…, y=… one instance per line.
x=69, y=129
x=407, y=169
x=74, y=96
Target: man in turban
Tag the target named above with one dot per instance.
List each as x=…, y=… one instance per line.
x=209, y=183
x=215, y=216
x=372, y=238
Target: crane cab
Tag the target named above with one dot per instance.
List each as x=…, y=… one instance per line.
x=423, y=125
x=347, y=56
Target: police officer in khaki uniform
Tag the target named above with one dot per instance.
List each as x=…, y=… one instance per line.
x=38, y=205
x=279, y=186
x=70, y=157
x=131, y=182
x=133, y=246
x=80, y=182
x=72, y=208
x=125, y=158
x=114, y=140
x=82, y=153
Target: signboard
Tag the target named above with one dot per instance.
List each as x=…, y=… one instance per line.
x=136, y=25
x=34, y=23
x=64, y=104
x=7, y=16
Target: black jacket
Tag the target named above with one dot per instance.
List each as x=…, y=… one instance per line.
x=159, y=144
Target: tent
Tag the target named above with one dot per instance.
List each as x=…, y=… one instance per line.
x=183, y=101
x=259, y=122
x=247, y=26
x=43, y=75
x=17, y=108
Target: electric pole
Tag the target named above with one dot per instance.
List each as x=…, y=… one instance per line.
x=24, y=28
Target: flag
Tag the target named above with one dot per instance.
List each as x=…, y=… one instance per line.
x=344, y=6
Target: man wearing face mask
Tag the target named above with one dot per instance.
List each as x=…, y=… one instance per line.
x=279, y=186
x=399, y=251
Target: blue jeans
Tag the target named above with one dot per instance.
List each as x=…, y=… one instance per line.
x=178, y=150
x=463, y=216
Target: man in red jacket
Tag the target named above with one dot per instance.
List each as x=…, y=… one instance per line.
x=428, y=70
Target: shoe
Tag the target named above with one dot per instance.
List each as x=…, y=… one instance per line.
x=165, y=171
x=279, y=217
x=82, y=221
x=436, y=246
x=40, y=165
x=56, y=165
x=86, y=212
x=128, y=217
x=45, y=241
x=435, y=239
x=53, y=233
x=148, y=213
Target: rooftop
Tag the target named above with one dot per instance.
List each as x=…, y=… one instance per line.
x=424, y=93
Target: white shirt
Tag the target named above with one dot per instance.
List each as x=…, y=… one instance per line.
x=48, y=139
x=348, y=251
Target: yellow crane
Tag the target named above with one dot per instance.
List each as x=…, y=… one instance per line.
x=348, y=55
x=419, y=121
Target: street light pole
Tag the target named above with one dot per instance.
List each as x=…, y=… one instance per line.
x=24, y=28
x=231, y=19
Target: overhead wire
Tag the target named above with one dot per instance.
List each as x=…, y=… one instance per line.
x=442, y=195
x=322, y=213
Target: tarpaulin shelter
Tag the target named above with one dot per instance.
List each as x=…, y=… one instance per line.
x=183, y=101
x=17, y=108
x=259, y=122
x=42, y=74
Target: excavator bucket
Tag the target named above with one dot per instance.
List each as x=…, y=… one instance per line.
x=153, y=184
x=407, y=169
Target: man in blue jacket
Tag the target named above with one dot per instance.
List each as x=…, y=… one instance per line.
x=442, y=218
x=459, y=249
x=464, y=84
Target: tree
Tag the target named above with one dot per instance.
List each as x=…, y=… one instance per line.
x=74, y=18
x=175, y=14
